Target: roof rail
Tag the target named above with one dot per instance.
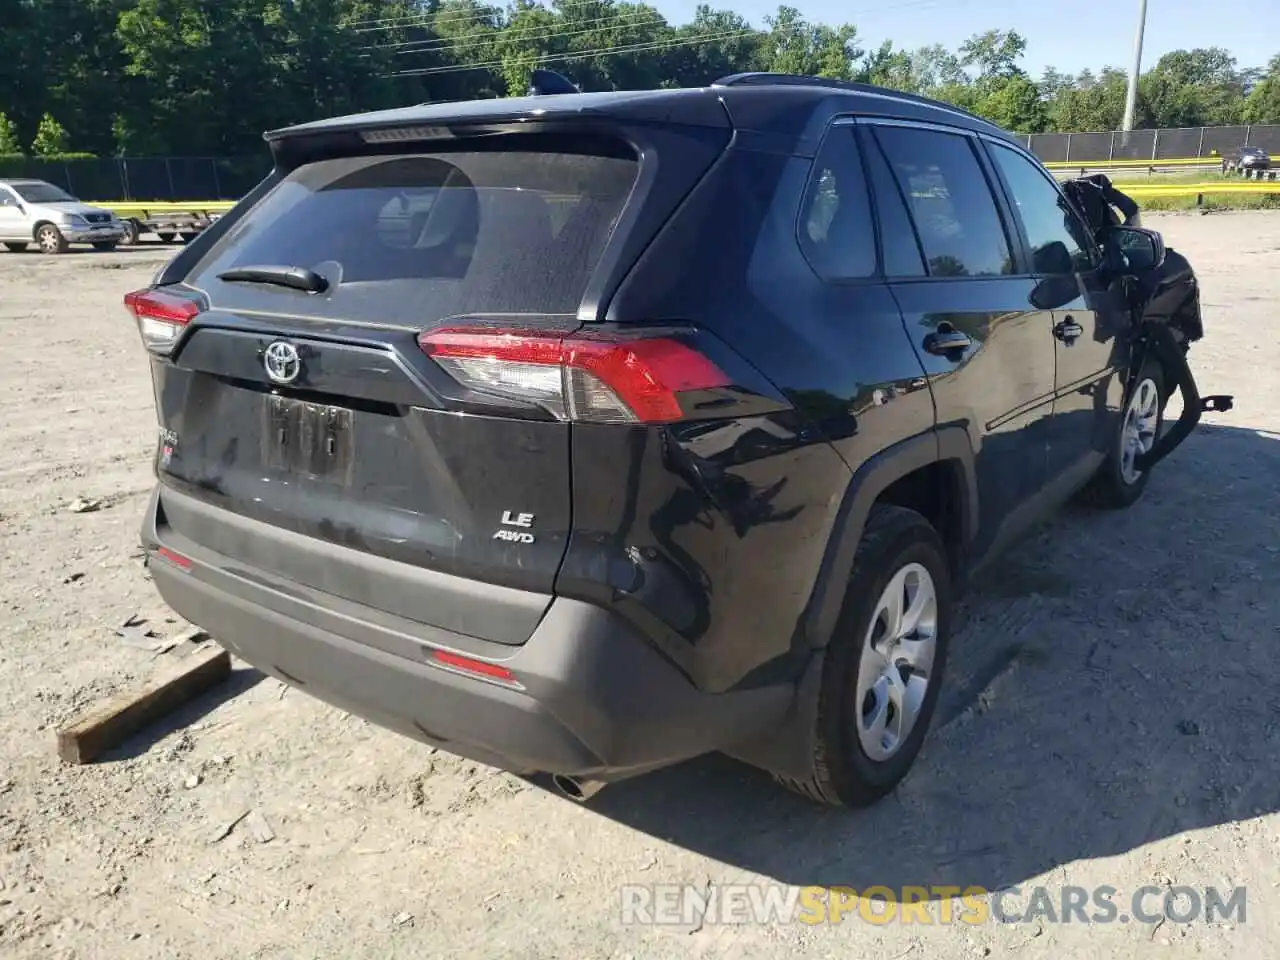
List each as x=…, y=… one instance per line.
x=764, y=79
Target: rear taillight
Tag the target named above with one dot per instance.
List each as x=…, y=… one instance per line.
x=594, y=378
x=161, y=317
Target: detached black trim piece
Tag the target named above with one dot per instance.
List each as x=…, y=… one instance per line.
x=1166, y=349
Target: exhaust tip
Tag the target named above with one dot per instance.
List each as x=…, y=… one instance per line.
x=579, y=791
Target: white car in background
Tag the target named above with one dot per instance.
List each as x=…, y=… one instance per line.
x=32, y=211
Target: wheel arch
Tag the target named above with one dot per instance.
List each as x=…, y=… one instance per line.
x=943, y=456
x=35, y=229
x=948, y=454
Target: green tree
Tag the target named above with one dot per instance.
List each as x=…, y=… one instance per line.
x=9, y=143
x=937, y=67
x=895, y=69
x=1015, y=104
x=1192, y=88
x=1263, y=104
x=51, y=138
x=797, y=46
x=995, y=54
x=1095, y=103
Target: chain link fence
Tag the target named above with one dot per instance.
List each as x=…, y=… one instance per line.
x=128, y=179
x=1155, y=145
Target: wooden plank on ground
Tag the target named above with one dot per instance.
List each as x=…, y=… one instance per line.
x=109, y=725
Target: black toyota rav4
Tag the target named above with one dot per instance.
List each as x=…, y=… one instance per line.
x=584, y=434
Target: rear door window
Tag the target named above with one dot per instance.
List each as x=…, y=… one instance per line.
x=416, y=238
x=901, y=247
x=951, y=203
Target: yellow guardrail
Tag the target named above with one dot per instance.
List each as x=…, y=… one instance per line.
x=1133, y=164
x=1139, y=190
x=142, y=209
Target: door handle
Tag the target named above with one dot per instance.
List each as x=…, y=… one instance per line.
x=947, y=342
x=1068, y=330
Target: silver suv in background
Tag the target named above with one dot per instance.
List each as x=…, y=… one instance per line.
x=32, y=211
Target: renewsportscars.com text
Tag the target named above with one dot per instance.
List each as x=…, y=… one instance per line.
x=680, y=905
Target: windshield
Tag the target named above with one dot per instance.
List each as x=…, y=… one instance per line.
x=41, y=193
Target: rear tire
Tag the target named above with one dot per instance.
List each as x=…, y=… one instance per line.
x=165, y=237
x=50, y=239
x=187, y=237
x=106, y=246
x=16, y=247
x=879, y=691
x=131, y=233
x=1117, y=484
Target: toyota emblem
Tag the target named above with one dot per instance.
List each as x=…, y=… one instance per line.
x=282, y=362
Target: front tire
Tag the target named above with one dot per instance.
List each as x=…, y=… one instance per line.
x=15, y=247
x=132, y=231
x=1118, y=483
x=883, y=669
x=50, y=239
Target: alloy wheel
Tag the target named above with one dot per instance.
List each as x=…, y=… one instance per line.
x=1141, y=420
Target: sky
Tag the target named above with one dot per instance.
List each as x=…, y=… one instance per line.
x=1063, y=34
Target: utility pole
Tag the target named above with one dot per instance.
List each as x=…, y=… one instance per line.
x=1131, y=100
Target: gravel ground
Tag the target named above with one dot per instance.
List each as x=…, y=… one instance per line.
x=1110, y=718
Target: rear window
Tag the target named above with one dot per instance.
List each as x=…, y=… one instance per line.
x=413, y=238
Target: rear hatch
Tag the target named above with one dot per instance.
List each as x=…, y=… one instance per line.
x=291, y=358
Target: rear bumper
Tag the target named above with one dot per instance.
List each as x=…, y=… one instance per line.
x=594, y=700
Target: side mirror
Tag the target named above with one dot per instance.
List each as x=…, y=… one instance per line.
x=1132, y=250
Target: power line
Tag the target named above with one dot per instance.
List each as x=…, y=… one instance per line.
x=433, y=20
x=447, y=45
x=579, y=54
x=454, y=16
x=548, y=31
x=428, y=21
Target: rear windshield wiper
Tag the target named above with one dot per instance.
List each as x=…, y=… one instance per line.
x=297, y=278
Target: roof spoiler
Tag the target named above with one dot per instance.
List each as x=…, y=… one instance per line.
x=544, y=83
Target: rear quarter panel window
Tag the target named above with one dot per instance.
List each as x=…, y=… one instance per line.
x=837, y=233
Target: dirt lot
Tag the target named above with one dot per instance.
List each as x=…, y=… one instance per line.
x=1111, y=718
